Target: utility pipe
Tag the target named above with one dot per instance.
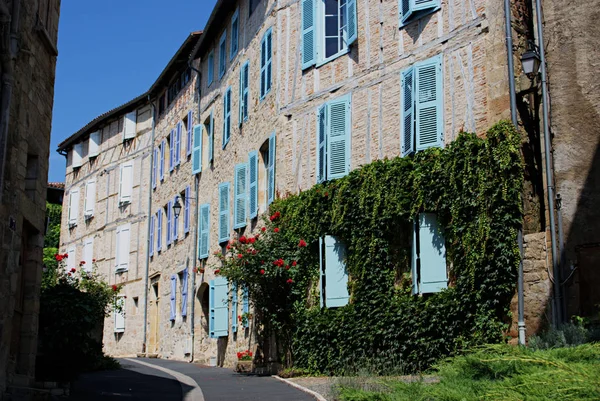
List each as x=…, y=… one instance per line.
x=146, y=289
x=556, y=312
x=513, y=116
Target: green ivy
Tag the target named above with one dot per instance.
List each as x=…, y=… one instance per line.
x=474, y=185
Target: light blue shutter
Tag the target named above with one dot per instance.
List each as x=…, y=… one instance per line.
x=171, y=150
x=309, y=48
x=336, y=277
x=234, y=308
x=414, y=260
x=241, y=96
x=429, y=103
x=211, y=137
x=405, y=11
x=154, y=168
x=184, y=291
x=338, y=140
x=151, y=245
x=321, y=271
x=211, y=307
x=168, y=227
x=271, y=169
x=186, y=210
x=263, y=67
x=407, y=93
x=235, y=24
x=269, y=66
x=175, y=221
x=190, y=124
x=253, y=184
x=159, y=231
x=221, y=308
x=244, y=81
x=178, y=145
x=417, y=5
x=321, y=143
x=226, y=116
x=223, y=212
x=211, y=67
x=432, y=254
x=197, y=150
x=240, y=195
x=203, y=231
x=162, y=159
x=222, y=54
x=173, y=296
x=352, y=22
x=245, y=305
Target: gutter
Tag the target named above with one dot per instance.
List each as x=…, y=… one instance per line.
x=146, y=289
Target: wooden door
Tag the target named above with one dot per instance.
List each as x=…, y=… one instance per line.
x=153, y=337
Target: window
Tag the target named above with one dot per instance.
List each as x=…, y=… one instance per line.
x=151, y=245
x=94, y=144
x=252, y=6
x=226, y=117
x=197, y=150
x=189, y=123
x=219, y=308
x=411, y=10
x=73, y=207
x=224, y=212
x=329, y=27
x=211, y=68
x=90, y=199
x=162, y=104
x=333, y=139
x=334, y=277
x=187, y=201
x=422, y=106
x=428, y=262
x=120, y=314
x=265, y=63
x=253, y=184
x=244, y=91
x=173, y=297
x=77, y=155
x=129, y=125
x=222, y=54
x=122, y=248
x=203, y=231
x=126, y=183
x=88, y=254
x=235, y=27
x=240, y=196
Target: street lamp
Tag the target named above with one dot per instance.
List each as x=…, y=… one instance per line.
x=177, y=207
x=530, y=60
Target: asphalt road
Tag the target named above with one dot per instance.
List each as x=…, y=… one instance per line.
x=164, y=380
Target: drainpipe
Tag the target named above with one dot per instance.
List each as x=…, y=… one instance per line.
x=513, y=116
x=9, y=28
x=556, y=310
x=196, y=211
x=149, y=228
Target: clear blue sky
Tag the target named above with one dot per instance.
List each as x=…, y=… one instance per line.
x=110, y=52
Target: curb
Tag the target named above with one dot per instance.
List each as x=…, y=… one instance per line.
x=318, y=396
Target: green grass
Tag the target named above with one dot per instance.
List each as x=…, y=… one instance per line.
x=500, y=372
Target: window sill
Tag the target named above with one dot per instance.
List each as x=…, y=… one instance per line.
x=117, y=271
x=331, y=58
x=119, y=330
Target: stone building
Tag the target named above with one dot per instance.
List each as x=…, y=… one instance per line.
x=28, y=39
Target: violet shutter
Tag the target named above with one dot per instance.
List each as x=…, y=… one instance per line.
x=159, y=230
x=184, y=292
x=173, y=297
x=186, y=210
x=163, y=145
x=190, y=124
x=175, y=220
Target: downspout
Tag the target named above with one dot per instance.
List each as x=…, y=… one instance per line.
x=556, y=309
x=196, y=211
x=146, y=290
x=8, y=53
x=513, y=117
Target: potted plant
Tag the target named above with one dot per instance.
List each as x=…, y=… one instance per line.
x=244, y=363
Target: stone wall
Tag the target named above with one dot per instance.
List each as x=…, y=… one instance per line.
x=23, y=196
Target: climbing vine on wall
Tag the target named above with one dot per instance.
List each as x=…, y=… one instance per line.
x=473, y=185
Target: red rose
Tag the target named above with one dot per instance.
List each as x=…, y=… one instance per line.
x=289, y=281
x=239, y=317
x=93, y=260
x=294, y=263
x=301, y=244
x=217, y=271
x=228, y=246
x=240, y=256
x=239, y=355
x=262, y=262
x=254, y=252
x=58, y=257
x=73, y=270
x=69, y=274
x=262, y=271
x=243, y=239
x=252, y=240
x=263, y=229
x=287, y=267
x=66, y=255
x=114, y=287
x=82, y=262
x=201, y=270
x=276, y=229
x=249, y=353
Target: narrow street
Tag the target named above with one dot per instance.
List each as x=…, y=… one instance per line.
x=156, y=379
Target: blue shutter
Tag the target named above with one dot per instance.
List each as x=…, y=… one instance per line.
x=159, y=231
x=211, y=137
x=211, y=68
x=178, y=145
x=154, y=168
x=338, y=139
x=234, y=308
x=407, y=94
x=226, y=116
x=432, y=254
x=175, y=221
x=240, y=195
x=197, y=150
x=309, y=48
x=322, y=144
x=221, y=308
x=171, y=150
x=151, y=245
x=352, y=29
x=235, y=25
x=336, y=277
x=253, y=184
x=190, y=124
x=211, y=307
x=222, y=54
x=224, y=212
x=405, y=11
x=429, y=103
x=162, y=159
x=184, y=291
x=186, y=210
x=266, y=56
x=173, y=296
x=269, y=66
x=414, y=260
x=203, y=231
x=263, y=63
x=245, y=305
x=168, y=227
x=417, y=5
x=271, y=169
x=244, y=80
x=321, y=271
